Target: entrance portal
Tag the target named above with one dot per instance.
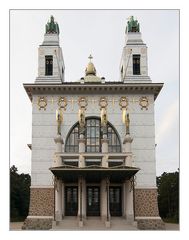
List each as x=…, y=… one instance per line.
x=115, y=201
x=93, y=201
x=71, y=201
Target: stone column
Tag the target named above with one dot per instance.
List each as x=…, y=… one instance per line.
x=63, y=199
x=129, y=206
x=58, y=200
x=127, y=149
x=59, y=149
x=104, y=188
x=103, y=200
x=81, y=200
x=124, y=186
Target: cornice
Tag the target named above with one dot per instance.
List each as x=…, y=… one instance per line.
x=93, y=88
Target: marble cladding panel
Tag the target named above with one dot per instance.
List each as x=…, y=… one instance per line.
x=142, y=155
x=43, y=143
x=40, y=178
x=42, y=155
x=143, y=143
x=146, y=167
x=41, y=166
x=145, y=179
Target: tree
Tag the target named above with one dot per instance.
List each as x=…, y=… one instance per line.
x=168, y=195
x=19, y=194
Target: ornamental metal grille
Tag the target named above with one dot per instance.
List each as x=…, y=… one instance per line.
x=93, y=136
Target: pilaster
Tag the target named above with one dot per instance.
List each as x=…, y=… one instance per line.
x=58, y=200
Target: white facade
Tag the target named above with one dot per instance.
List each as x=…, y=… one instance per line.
x=126, y=107
x=141, y=129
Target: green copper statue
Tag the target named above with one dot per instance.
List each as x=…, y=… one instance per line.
x=52, y=27
x=132, y=25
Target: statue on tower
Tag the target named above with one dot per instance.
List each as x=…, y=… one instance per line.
x=132, y=25
x=52, y=26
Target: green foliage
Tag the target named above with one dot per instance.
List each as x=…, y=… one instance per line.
x=19, y=194
x=168, y=196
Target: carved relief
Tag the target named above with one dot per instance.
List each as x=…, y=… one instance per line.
x=42, y=102
x=144, y=103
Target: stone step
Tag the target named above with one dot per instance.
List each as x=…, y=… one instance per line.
x=93, y=223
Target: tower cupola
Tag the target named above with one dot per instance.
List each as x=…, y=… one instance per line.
x=90, y=73
x=90, y=69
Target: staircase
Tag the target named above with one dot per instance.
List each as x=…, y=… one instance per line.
x=93, y=223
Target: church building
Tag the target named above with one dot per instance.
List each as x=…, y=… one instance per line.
x=93, y=162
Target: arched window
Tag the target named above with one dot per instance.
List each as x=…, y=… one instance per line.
x=93, y=136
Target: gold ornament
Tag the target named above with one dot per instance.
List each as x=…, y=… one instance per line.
x=123, y=115
x=42, y=103
x=81, y=117
x=103, y=103
x=144, y=103
x=82, y=102
x=59, y=119
x=62, y=102
x=123, y=103
x=104, y=118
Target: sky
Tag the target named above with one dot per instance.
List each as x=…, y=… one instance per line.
x=102, y=34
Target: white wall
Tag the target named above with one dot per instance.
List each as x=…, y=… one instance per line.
x=141, y=128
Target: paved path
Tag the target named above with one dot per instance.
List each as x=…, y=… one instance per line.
x=16, y=225
x=171, y=226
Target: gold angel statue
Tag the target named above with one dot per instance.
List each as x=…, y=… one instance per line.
x=59, y=119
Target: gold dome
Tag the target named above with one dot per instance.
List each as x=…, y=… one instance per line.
x=90, y=69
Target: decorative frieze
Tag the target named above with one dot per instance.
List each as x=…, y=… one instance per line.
x=125, y=103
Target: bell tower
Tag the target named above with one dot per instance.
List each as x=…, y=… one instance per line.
x=50, y=58
x=134, y=66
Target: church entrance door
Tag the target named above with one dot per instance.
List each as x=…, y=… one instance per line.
x=93, y=201
x=115, y=201
x=71, y=201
